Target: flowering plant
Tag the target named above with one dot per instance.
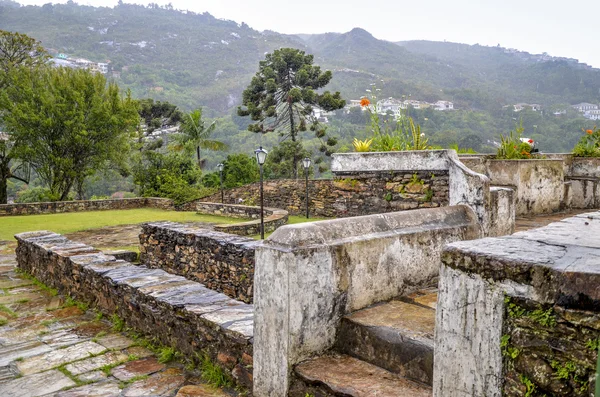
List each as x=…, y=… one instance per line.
x=589, y=144
x=513, y=147
x=405, y=134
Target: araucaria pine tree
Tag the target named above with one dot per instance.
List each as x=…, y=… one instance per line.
x=283, y=94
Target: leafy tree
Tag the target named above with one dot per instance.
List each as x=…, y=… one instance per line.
x=19, y=50
x=172, y=174
x=238, y=170
x=282, y=160
x=16, y=51
x=158, y=114
x=193, y=132
x=282, y=95
x=67, y=123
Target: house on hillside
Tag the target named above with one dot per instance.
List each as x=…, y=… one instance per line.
x=593, y=114
x=533, y=106
x=416, y=104
x=390, y=105
x=443, y=105
x=584, y=107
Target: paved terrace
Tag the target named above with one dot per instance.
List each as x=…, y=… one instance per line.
x=50, y=349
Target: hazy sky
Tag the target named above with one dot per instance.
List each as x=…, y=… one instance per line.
x=559, y=28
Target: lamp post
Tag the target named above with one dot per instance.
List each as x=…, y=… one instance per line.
x=306, y=165
x=261, y=156
x=220, y=167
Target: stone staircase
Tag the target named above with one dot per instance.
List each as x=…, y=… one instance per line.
x=383, y=350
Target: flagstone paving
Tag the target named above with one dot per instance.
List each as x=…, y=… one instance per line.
x=48, y=348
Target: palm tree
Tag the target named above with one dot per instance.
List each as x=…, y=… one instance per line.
x=193, y=133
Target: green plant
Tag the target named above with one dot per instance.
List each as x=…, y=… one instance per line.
x=460, y=150
x=362, y=146
x=528, y=384
x=511, y=146
x=166, y=354
x=428, y=195
x=118, y=323
x=213, y=374
x=388, y=196
x=545, y=318
x=563, y=371
x=589, y=144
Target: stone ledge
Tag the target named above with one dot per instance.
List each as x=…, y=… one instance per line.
x=560, y=261
x=179, y=312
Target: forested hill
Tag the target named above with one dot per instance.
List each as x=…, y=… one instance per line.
x=197, y=60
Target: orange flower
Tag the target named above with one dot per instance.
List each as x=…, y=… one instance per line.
x=530, y=141
x=589, y=132
x=365, y=102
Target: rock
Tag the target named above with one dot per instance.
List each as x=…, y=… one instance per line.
x=58, y=357
x=200, y=391
x=132, y=369
x=36, y=385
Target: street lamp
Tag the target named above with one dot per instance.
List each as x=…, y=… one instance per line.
x=220, y=167
x=306, y=165
x=261, y=156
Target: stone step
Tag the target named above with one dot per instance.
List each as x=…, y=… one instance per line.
x=396, y=336
x=424, y=297
x=342, y=375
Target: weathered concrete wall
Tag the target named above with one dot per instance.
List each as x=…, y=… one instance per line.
x=309, y=275
x=350, y=194
x=519, y=314
x=502, y=211
x=223, y=262
x=538, y=184
x=178, y=312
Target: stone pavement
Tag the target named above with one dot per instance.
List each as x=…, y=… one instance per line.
x=49, y=348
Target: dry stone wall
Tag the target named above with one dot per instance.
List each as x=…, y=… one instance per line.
x=223, y=262
x=349, y=194
x=178, y=312
x=57, y=207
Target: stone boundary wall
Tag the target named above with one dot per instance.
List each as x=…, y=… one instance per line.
x=57, y=207
x=181, y=313
x=222, y=262
x=350, y=194
x=274, y=217
x=519, y=315
x=310, y=275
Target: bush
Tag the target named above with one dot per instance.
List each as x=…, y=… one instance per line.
x=511, y=146
x=36, y=195
x=589, y=144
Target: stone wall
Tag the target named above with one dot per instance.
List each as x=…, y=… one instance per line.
x=349, y=194
x=309, y=275
x=222, y=262
x=56, y=207
x=518, y=315
x=178, y=312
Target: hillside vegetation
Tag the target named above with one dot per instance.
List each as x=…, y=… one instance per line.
x=195, y=60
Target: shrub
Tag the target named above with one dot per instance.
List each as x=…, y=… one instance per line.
x=511, y=146
x=589, y=144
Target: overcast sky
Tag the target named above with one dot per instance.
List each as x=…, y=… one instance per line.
x=557, y=27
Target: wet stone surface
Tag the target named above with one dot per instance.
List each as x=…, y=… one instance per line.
x=48, y=349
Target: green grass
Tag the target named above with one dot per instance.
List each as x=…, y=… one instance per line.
x=77, y=221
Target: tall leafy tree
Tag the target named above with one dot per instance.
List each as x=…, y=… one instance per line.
x=283, y=94
x=194, y=132
x=16, y=51
x=158, y=114
x=68, y=124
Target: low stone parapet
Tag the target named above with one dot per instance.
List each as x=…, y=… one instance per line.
x=520, y=313
x=223, y=262
x=308, y=276
x=178, y=312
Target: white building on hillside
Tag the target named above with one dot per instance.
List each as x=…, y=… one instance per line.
x=443, y=105
x=592, y=114
x=584, y=106
x=390, y=105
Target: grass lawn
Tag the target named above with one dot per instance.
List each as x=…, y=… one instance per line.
x=76, y=221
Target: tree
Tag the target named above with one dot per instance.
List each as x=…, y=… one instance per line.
x=19, y=50
x=193, y=132
x=16, y=51
x=238, y=170
x=159, y=114
x=67, y=123
x=282, y=95
x=282, y=159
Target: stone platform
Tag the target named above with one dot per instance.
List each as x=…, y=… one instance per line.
x=50, y=348
x=177, y=312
